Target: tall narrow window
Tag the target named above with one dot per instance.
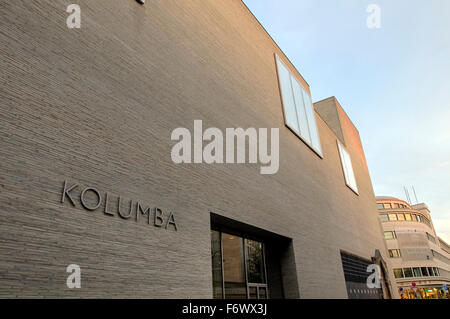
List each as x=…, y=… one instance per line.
x=216, y=259
x=233, y=267
x=299, y=113
x=347, y=168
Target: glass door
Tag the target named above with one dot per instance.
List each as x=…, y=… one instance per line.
x=256, y=270
x=238, y=267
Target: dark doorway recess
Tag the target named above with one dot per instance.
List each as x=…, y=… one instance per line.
x=251, y=263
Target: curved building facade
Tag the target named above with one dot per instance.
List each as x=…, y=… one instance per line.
x=418, y=257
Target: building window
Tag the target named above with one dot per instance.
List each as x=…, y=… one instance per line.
x=396, y=205
x=255, y=262
x=389, y=234
x=387, y=206
x=408, y=272
x=238, y=267
x=384, y=218
x=431, y=238
x=436, y=271
x=380, y=206
x=430, y=271
x=299, y=112
x=408, y=217
x=414, y=217
x=398, y=273
x=401, y=217
x=394, y=253
x=347, y=168
x=417, y=272
x=392, y=217
x=216, y=258
x=424, y=271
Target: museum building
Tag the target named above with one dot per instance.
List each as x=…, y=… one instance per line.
x=88, y=176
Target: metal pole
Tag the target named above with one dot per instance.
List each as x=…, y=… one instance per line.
x=415, y=195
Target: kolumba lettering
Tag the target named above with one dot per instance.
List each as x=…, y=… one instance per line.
x=91, y=199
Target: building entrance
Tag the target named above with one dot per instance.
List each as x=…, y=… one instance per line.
x=239, y=268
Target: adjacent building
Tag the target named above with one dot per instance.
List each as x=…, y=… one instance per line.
x=418, y=257
x=88, y=178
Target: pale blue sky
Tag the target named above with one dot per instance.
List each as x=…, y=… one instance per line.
x=393, y=82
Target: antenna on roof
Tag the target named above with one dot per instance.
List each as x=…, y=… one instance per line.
x=407, y=195
x=415, y=195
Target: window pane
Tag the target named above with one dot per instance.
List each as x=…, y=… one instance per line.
x=387, y=206
x=290, y=112
x=310, y=114
x=408, y=217
x=417, y=272
x=344, y=167
x=398, y=273
x=384, y=218
x=414, y=217
x=351, y=177
x=430, y=271
x=301, y=113
x=392, y=217
x=436, y=271
x=424, y=271
x=380, y=206
x=233, y=267
x=255, y=262
x=388, y=235
x=216, y=259
x=400, y=217
x=408, y=272
x=347, y=168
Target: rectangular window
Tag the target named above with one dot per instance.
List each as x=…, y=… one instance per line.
x=216, y=259
x=430, y=271
x=255, y=262
x=380, y=206
x=233, y=267
x=408, y=272
x=414, y=217
x=401, y=217
x=408, y=217
x=299, y=112
x=389, y=235
x=347, y=168
x=398, y=273
x=417, y=272
x=436, y=271
x=424, y=271
x=395, y=205
x=431, y=238
x=394, y=253
x=392, y=217
x=387, y=206
x=384, y=218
